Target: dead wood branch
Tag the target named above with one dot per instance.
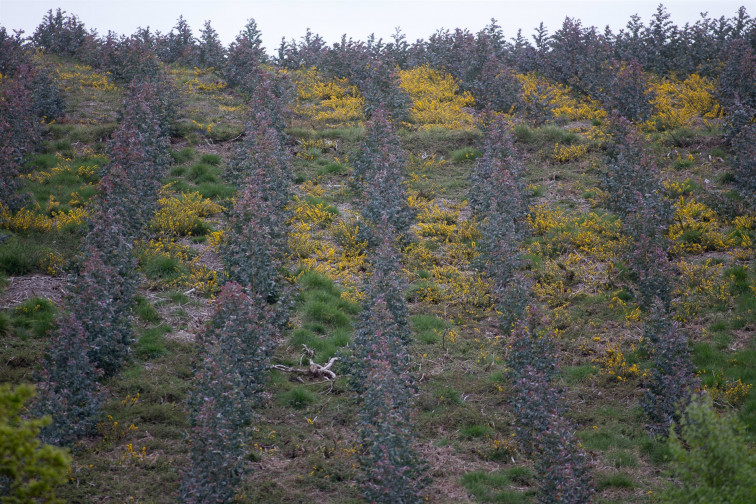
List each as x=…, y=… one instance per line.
x=314, y=370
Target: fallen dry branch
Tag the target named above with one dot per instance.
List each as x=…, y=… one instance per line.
x=314, y=370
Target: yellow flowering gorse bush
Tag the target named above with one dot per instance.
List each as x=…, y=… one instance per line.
x=613, y=364
x=679, y=103
x=696, y=228
x=538, y=90
x=83, y=76
x=565, y=153
x=330, y=103
x=436, y=101
x=182, y=215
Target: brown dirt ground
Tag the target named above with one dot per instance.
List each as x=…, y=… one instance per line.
x=20, y=288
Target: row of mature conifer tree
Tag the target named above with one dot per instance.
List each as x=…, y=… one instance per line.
x=616, y=69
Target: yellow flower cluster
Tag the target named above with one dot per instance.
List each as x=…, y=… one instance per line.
x=84, y=76
x=230, y=108
x=86, y=172
x=696, y=228
x=632, y=311
x=436, y=102
x=130, y=400
x=300, y=240
x=678, y=104
x=466, y=290
x=165, y=246
x=319, y=144
x=330, y=103
x=613, y=364
x=745, y=222
x=24, y=220
x=112, y=431
x=210, y=87
x=202, y=279
x=198, y=276
x=327, y=243
x=27, y=219
x=420, y=188
x=130, y=456
x=565, y=153
x=433, y=222
x=588, y=274
x=553, y=291
x=593, y=234
x=502, y=448
x=52, y=263
x=732, y=393
x=538, y=90
x=444, y=250
x=345, y=232
x=215, y=239
x=543, y=219
x=701, y=286
x=182, y=215
x=311, y=212
x=675, y=188
x=202, y=127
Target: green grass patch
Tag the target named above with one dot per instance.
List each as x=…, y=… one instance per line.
x=740, y=283
x=177, y=171
x=224, y=132
x=183, y=156
x=439, y=140
x=6, y=324
x=33, y=318
x=721, y=367
x=42, y=161
x=145, y=311
x=682, y=164
x=163, y=267
x=680, y=137
x=554, y=134
x=656, y=450
x=178, y=297
x=503, y=486
x=298, y=397
x=449, y=395
x=211, y=159
x=326, y=312
x=332, y=169
x=545, y=135
x=465, y=154
x=303, y=133
x=524, y=133
x=578, y=374
x=475, y=431
x=216, y=190
x=202, y=172
x=71, y=186
x=352, y=135
x=91, y=133
x=23, y=255
x=606, y=437
x=326, y=316
x=623, y=459
x=428, y=329
x=613, y=480
x=151, y=342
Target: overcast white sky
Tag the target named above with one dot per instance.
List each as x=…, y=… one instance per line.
x=356, y=18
